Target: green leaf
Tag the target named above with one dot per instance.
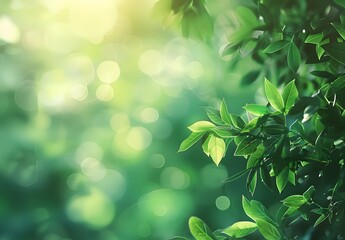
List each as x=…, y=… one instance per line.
x=246, y=17
x=230, y=49
x=274, y=129
x=257, y=110
x=214, y=115
x=190, y=141
x=247, y=146
x=216, y=148
x=237, y=121
x=281, y=179
x=224, y=114
x=268, y=230
x=225, y=132
x=314, y=38
x=340, y=29
x=292, y=177
x=293, y=57
x=201, y=126
x=252, y=181
x=240, y=229
x=319, y=50
x=273, y=96
x=276, y=46
x=339, y=83
x=308, y=194
x=249, y=78
x=256, y=211
x=340, y=3
x=336, y=50
x=322, y=218
x=199, y=229
x=290, y=94
x=254, y=158
x=294, y=201
x=205, y=145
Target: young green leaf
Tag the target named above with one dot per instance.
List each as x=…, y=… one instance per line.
x=199, y=229
x=237, y=121
x=216, y=148
x=314, y=38
x=224, y=114
x=190, y=141
x=268, y=230
x=256, y=211
x=257, y=110
x=247, y=146
x=290, y=94
x=276, y=46
x=293, y=57
x=249, y=78
x=240, y=229
x=273, y=96
x=336, y=50
x=292, y=177
x=201, y=126
x=308, y=194
x=281, y=179
x=254, y=158
x=225, y=132
x=340, y=29
x=294, y=201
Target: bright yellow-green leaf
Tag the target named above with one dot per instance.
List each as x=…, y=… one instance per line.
x=201, y=126
x=190, y=141
x=273, y=96
x=240, y=229
x=216, y=148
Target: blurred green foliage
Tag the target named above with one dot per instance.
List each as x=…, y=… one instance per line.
x=94, y=100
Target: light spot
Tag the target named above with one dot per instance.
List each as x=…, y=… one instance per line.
x=150, y=62
x=93, y=169
x=88, y=150
x=173, y=177
x=139, y=138
x=94, y=209
x=105, y=93
x=144, y=230
x=195, y=70
x=108, y=71
x=79, y=91
x=157, y=160
x=119, y=122
x=222, y=203
x=9, y=31
x=149, y=115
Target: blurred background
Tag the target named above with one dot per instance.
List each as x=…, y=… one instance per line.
x=95, y=98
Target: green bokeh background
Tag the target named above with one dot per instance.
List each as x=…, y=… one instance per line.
x=95, y=98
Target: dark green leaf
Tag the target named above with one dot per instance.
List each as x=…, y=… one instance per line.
x=237, y=121
x=254, y=158
x=308, y=194
x=252, y=181
x=247, y=146
x=302, y=103
x=256, y=109
x=199, y=229
x=268, y=230
x=293, y=57
x=273, y=96
x=322, y=218
x=340, y=29
x=290, y=94
x=190, y=141
x=274, y=129
x=338, y=84
x=336, y=50
x=249, y=78
x=323, y=74
x=340, y=3
x=276, y=46
x=240, y=229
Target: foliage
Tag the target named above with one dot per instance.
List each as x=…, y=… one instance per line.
x=297, y=136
